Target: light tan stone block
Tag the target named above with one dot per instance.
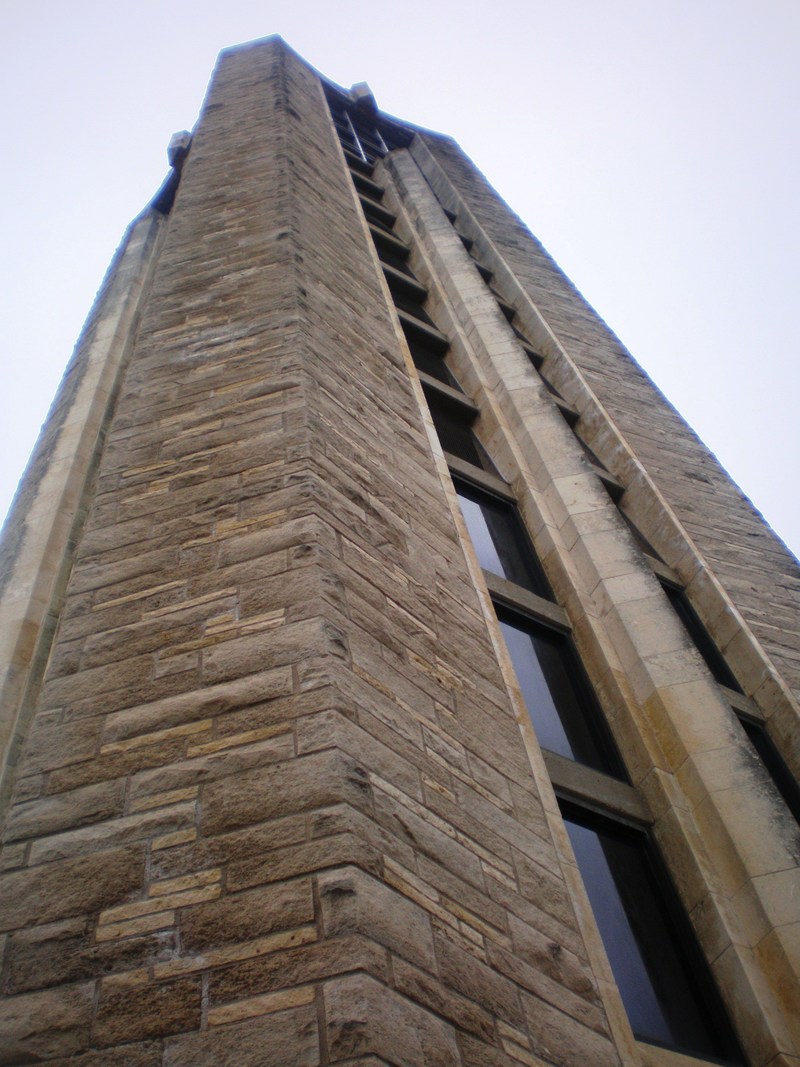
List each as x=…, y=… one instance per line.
x=522, y=1055
x=186, y=730
x=187, y=881
x=158, y=920
x=180, y=837
x=235, y=740
x=141, y=976
x=140, y=595
x=156, y=903
x=262, y=1005
x=161, y=800
x=245, y=950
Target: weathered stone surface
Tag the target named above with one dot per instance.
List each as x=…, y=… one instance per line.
x=280, y=1039
x=64, y=952
x=229, y=760
x=247, y=915
x=58, y=744
x=114, y=765
x=353, y=902
x=313, y=781
x=551, y=958
x=365, y=1061
x=140, y=1054
x=586, y=1009
x=134, y=1013
x=209, y=703
x=113, y=832
x=72, y=887
x=66, y=810
x=436, y=996
x=476, y=981
x=298, y=966
x=363, y=1017
x=289, y=644
x=40, y=1026
x=182, y=857
x=556, y=1037
x=476, y=1054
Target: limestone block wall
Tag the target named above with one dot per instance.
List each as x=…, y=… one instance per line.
x=274, y=805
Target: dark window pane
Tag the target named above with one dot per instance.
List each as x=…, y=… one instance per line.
x=411, y=304
x=780, y=774
x=562, y=708
x=453, y=429
x=377, y=218
x=661, y=975
x=430, y=362
x=500, y=541
x=702, y=642
x=348, y=142
x=390, y=253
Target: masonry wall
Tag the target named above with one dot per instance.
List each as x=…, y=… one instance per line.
x=264, y=814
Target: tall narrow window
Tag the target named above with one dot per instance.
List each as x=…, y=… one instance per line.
x=663, y=979
x=500, y=541
x=699, y=635
x=661, y=975
x=563, y=709
x=430, y=361
x=784, y=780
x=453, y=430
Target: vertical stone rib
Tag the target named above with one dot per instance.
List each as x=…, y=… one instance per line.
x=44, y=521
x=759, y=574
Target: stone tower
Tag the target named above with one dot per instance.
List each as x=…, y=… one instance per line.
x=390, y=676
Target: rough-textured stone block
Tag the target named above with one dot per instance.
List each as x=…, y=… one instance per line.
x=353, y=902
x=146, y=1011
x=58, y=890
x=313, y=781
x=138, y=1054
x=275, y=1040
x=65, y=952
x=42, y=1026
x=361, y=1017
x=247, y=915
x=65, y=810
x=298, y=966
x=437, y=996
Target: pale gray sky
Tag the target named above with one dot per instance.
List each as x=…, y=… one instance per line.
x=652, y=147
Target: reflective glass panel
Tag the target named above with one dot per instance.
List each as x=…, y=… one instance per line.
x=562, y=708
x=500, y=541
x=662, y=978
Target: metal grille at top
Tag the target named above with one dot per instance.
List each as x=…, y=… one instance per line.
x=363, y=133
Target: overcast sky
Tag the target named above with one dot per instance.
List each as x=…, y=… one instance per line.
x=652, y=147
